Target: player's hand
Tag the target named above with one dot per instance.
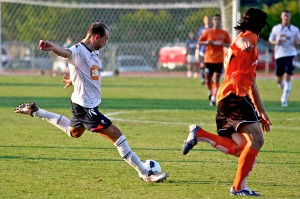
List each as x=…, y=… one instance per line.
x=265, y=122
x=66, y=79
x=244, y=45
x=45, y=45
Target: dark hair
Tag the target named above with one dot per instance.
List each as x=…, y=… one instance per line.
x=287, y=11
x=253, y=20
x=97, y=28
x=217, y=15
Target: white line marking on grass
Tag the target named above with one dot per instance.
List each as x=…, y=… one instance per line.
x=149, y=122
x=174, y=123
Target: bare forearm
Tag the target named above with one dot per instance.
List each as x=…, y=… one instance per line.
x=60, y=51
x=49, y=46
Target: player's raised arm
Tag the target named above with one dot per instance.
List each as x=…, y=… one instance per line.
x=244, y=44
x=49, y=46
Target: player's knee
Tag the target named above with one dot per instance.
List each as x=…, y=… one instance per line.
x=75, y=135
x=77, y=132
x=258, y=143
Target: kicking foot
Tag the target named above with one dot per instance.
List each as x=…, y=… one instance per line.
x=27, y=109
x=191, y=140
x=154, y=177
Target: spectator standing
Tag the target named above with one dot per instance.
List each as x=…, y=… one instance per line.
x=200, y=53
x=191, y=61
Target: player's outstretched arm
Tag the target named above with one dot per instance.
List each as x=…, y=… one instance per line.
x=49, y=46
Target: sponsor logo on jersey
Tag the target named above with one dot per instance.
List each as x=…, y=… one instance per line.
x=94, y=72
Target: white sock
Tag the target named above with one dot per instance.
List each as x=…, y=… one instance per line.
x=129, y=156
x=287, y=87
x=59, y=121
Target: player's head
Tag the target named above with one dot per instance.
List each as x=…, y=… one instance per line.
x=191, y=35
x=253, y=20
x=99, y=34
x=206, y=21
x=285, y=17
x=216, y=21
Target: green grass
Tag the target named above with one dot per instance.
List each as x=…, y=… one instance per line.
x=39, y=161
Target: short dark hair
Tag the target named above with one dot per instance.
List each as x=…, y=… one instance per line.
x=97, y=28
x=253, y=20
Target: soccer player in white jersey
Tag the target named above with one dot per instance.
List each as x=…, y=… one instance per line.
x=85, y=65
x=285, y=36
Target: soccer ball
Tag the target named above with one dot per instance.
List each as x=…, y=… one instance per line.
x=152, y=165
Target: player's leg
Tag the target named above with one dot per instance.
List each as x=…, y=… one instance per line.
x=202, y=69
x=253, y=135
x=188, y=66
x=232, y=111
x=57, y=120
x=287, y=83
x=208, y=78
x=279, y=72
x=95, y=121
x=221, y=143
x=195, y=68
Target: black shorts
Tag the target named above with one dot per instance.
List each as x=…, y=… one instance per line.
x=285, y=65
x=212, y=68
x=90, y=118
x=233, y=111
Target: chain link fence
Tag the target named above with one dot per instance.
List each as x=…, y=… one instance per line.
x=138, y=29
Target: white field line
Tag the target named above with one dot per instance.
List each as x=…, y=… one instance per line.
x=170, y=123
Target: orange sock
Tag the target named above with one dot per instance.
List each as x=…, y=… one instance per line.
x=223, y=144
x=246, y=163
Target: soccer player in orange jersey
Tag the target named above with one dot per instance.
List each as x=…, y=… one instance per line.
x=240, y=109
x=215, y=40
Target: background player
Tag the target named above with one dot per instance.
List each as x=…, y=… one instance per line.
x=285, y=36
x=215, y=40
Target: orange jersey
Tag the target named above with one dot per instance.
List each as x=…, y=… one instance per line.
x=214, y=54
x=240, y=68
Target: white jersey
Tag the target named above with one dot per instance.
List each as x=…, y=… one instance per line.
x=84, y=67
x=287, y=33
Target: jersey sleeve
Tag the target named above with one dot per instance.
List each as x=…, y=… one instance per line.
x=297, y=36
x=272, y=36
x=72, y=58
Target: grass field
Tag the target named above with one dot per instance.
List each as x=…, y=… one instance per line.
x=39, y=161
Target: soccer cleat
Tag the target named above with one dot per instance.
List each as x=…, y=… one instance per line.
x=27, y=109
x=244, y=192
x=212, y=101
x=154, y=177
x=209, y=95
x=191, y=140
x=284, y=104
